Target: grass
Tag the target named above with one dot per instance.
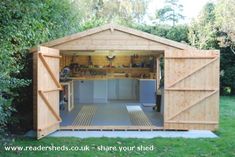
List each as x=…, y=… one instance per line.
x=177, y=147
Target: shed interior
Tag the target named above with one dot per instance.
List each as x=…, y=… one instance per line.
x=111, y=90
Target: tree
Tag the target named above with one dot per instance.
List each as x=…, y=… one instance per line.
x=172, y=12
x=225, y=20
x=205, y=32
x=178, y=33
x=118, y=11
x=202, y=31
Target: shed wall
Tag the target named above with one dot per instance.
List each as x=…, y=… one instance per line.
x=112, y=40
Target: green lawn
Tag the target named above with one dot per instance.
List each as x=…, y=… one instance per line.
x=223, y=146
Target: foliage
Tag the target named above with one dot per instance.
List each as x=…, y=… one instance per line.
x=92, y=23
x=171, y=12
x=172, y=147
x=116, y=11
x=225, y=20
x=227, y=66
x=24, y=24
x=178, y=33
x=202, y=32
x=205, y=33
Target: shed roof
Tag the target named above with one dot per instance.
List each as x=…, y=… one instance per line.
x=123, y=29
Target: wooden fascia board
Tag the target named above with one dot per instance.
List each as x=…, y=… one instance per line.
x=114, y=27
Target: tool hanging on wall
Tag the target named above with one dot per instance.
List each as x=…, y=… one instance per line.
x=110, y=58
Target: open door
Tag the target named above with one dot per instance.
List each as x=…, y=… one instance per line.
x=46, y=90
x=191, y=90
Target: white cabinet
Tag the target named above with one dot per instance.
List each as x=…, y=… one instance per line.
x=148, y=91
x=123, y=89
x=100, y=91
x=91, y=91
x=85, y=91
x=67, y=95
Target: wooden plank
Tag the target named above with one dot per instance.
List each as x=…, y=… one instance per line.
x=49, y=105
x=47, y=130
x=108, y=46
x=158, y=71
x=191, y=57
x=35, y=89
x=51, y=90
x=190, y=126
x=50, y=71
x=113, y=128
x=80, y=53
x=48, y=126
x=193, y=122
x=52, y=56
x=189, y=89
x=195, y=103
x=192, y=72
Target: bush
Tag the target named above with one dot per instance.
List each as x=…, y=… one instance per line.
x=177, y=33
x=24, y=24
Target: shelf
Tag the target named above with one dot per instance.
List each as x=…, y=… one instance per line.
x=107, y=78
x=112, y=73
x=108, y=68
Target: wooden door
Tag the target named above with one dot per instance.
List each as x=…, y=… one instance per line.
x=46, y=90
x=191, y=83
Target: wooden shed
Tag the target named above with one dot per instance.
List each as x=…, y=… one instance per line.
x=110, y=78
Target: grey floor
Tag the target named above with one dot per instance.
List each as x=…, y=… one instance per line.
x=113, y=113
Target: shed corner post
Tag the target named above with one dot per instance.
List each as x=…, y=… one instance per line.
x=35, y=88
x=165, y=98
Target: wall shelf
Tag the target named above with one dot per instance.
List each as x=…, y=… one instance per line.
x=112, y=68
